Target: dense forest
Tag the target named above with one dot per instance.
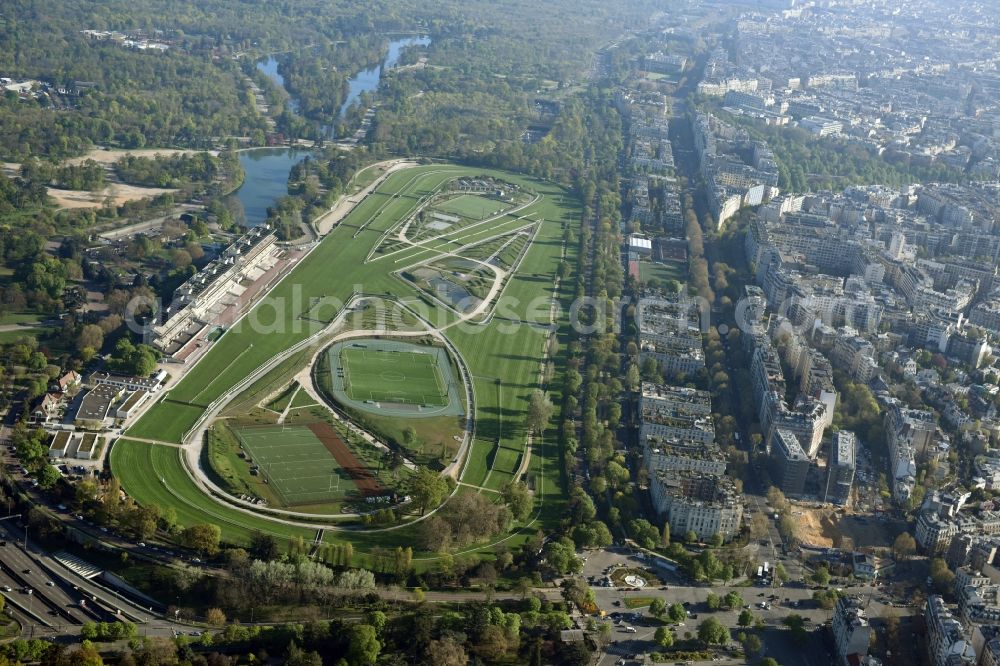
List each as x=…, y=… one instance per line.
x=196, y=93
x=169, y=170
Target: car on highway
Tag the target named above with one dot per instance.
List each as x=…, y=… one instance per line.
x=7, y=588
x=27, y=572
x=50, y=583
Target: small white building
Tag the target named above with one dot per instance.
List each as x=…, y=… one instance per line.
x=131, y=404
x=640, y=245
x=88, y=446
x=60, y=443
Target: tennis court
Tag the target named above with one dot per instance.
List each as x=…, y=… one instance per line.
x=392, y=375
x=304, y=466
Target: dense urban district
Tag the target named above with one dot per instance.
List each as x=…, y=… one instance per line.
x=440, y=333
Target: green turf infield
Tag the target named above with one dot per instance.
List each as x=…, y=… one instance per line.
x=471, y=206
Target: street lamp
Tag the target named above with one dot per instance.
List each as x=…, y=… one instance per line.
x=18, y=515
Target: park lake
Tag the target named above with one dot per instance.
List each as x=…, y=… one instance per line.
x=266, y=170
x=367, y=80
x=265, y=179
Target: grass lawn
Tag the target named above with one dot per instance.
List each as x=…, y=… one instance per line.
x=167, y=421
x=471, y=206
x=498, y=479
x=281, y=400
x=475, y=473
x=506, y=460
x=302, y=399
x=20, y=318
x=7, y=337
x=393, y=376
x=637, y=602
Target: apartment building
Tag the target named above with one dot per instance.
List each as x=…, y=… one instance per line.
x=705, y=504
x=851, y=631
x=948, y=644
x=841, y=467
x=789, y=464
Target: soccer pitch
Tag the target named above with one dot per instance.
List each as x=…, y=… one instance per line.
x=296, y=464
x=393, y=376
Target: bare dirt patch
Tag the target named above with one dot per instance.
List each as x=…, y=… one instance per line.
x=363, y=479
x=827, y=528
x=118, y=192
x=103, y=156
x=811, y=527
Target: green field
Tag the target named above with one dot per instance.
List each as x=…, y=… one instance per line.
x=7, y=337
x=503, y=362
x=668, y=270
x=471, y=206
x=22, y=318
x=296, y=464
x=302, y=399
x=393, y=376
x=281, y=400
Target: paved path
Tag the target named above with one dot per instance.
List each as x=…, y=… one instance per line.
x=27, y=328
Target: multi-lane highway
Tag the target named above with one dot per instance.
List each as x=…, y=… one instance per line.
x=50, y=598
x=45, y=598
